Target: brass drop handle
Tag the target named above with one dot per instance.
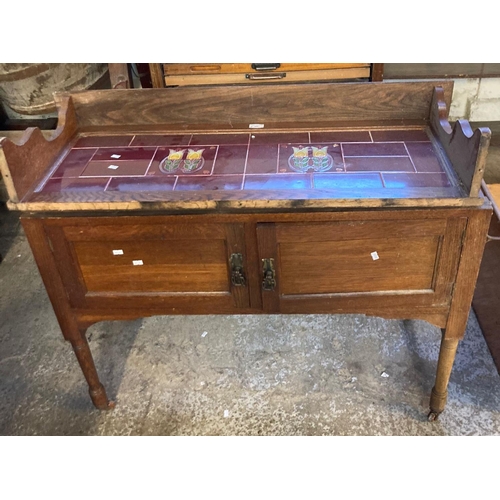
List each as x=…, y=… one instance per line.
x=269, y=279
x=265, y=76
x=237, y=274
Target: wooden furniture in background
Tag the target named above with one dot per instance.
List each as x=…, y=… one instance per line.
x=173, y=74
x=360, y=198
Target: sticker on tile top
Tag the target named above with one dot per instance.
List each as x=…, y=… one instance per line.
x=115, y=157
x=256, y=125
x=113, y=167
x=137, y=262
x=375, y=256
x=117, y=252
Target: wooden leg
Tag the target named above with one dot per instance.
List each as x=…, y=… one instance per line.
x=440, y=389
x=96, y=389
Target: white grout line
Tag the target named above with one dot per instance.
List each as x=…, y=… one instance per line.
x=151, y=162
x=108, y=183
x=371, y=136
x=175, y=183
x=411, y=159
x=131, y=141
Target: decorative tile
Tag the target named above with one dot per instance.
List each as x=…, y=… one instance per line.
x=161, y=140
x=141, y=184
x=124, y=154
x=375, y=149
x=103, y=141
x=415, y=180
x=280, y=138
x=379, y=164
x=399, y=135
x=230, y=160
x=310, y=158
x=279, y=181
x=424, y=157
x=196, y=160
x=115, y=168
x=214, y=182
x=74, y=163
x=347, y=181
x=75, y=185
x=262, y=159
x=219, y=139
x=347, y=136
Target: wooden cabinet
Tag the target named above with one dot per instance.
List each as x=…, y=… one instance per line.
x=291, y=199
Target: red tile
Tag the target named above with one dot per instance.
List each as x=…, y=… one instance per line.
x=279, y=138
x=292, y=159
x=424, y=157
x=262, y=159
x=219, y=139
x=181, y=165
x=141, y=184
x=124, y=154
x=161, y=140
x=280, y=181
x=209, y=183
x=347, y=181
x=103, y=141
x=399, y=135
x=107, y=168
x=379, y=164
x=341, y=136
x=230, y=160
x=74, y=163
x=75, y=185
x=415, y=180
x=375, y=149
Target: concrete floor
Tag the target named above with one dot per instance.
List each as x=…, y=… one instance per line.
x=262, y=375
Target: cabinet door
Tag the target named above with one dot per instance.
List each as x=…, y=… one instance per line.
x=373, y=267
x=185, y=267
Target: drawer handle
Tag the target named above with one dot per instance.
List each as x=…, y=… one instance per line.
x=265, y=66
x=237, y=274
x=265, y=76
x=269, y=280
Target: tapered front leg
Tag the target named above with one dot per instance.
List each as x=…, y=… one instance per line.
x=445, y=364
x=96, y=389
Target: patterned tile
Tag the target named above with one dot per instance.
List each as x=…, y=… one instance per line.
x=310, y=158
x=175, y=161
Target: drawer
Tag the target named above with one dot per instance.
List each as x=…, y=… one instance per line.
x=150, y=265
x=213, y=73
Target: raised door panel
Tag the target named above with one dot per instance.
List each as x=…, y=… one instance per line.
x=361, y=266
x=183, y=266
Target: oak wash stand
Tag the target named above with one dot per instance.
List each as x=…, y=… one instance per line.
x=299, y=198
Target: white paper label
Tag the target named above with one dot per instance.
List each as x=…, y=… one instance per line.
x=117, y=252
x=113, y=167
x=226, y=413
x=256, y=125
x=137, y=262
x=204, y=334
x=375, y=256
x=116, y=156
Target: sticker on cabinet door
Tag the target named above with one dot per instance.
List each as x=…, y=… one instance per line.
x=117, y=252
x=375, y=256
x=137, y=262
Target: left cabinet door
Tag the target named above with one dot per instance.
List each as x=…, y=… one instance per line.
x=151, y=263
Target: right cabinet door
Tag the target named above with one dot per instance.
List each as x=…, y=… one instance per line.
x=381, y=267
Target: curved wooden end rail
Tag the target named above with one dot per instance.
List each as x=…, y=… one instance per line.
x=466, y=149
x=24, y=162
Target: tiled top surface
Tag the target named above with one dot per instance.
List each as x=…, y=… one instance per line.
x=346, y=160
